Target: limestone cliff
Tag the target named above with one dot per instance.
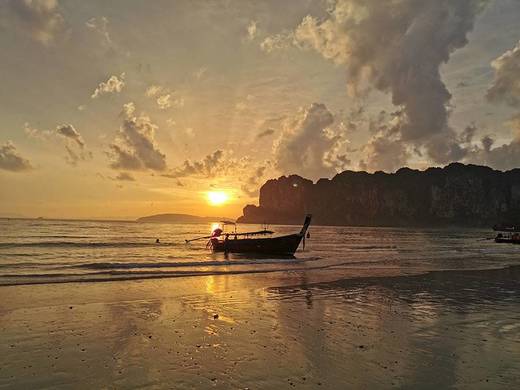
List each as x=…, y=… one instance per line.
x=458, y=195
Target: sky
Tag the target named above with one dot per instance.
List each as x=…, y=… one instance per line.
x=126, y=108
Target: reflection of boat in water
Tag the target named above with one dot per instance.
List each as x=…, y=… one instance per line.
x=249, y=242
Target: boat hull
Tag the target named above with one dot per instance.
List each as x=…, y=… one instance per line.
x=507, y=240
x=284, y=245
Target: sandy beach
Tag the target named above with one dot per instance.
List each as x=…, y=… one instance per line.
x=449, y=329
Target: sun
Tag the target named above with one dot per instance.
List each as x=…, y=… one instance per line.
x=217, y=198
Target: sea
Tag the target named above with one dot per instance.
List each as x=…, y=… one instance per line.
x=58, y=251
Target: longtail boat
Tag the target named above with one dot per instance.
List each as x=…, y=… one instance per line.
x=248, y=242
x=508, y=238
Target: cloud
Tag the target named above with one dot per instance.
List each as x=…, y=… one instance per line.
x=11, y=160
x=75, y=145
x=265, y=133
x=240, y=106
x=504, y=89
x=223, y=166
x=74, y=155
x=309, y=146
x=153, y=90
x=135, y=147
x=128, y=109
x=503, y=157
x=200, y=73
x=164, y=101
x=124, y=176
x=33, y=132
x=68, y=131
x=100, y=27
x=506, y=85
x=40, y=19
x=114, y=84
x=398, y=48
x=251, y=186
x=276, y=42
x=252, y=30
x=208, y=167
x=163, y=97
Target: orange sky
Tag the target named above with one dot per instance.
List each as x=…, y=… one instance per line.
x=112, y=110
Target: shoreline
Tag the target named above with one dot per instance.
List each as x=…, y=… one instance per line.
x=191, y=274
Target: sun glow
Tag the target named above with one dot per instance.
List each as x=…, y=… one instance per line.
x=217, y=198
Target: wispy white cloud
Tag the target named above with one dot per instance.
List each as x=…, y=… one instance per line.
x=100, y=27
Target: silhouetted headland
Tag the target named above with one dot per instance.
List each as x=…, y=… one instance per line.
x=456, y=195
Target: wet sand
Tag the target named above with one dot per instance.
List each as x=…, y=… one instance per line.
x=450, y=329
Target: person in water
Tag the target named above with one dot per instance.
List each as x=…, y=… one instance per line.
x=157, y=241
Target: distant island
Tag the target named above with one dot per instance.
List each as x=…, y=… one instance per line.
x=179, y=218
x=456, y=195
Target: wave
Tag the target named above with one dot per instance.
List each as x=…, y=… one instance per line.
x=78, y=244
x=120, y=265
x=115, y=275
x=33, y=264
x=125, y=275
x=368, y=247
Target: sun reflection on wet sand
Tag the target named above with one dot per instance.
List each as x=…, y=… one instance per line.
x=452, y=329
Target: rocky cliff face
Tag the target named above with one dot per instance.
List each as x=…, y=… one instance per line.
x=459, y=195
